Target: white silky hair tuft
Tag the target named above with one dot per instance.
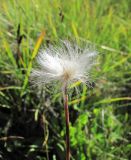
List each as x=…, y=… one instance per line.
x=66, y=63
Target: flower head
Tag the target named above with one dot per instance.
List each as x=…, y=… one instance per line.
x=67, y=63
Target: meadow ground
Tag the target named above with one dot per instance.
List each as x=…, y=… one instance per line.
x=32, y=124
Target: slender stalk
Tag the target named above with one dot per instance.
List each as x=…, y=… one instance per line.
x=65, y=97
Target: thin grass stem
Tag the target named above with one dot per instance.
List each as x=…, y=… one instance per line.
x=65, y=97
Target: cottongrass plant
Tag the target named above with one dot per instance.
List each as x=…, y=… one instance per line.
x=66, y=64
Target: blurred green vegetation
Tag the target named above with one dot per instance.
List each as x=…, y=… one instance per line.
x=32, y=124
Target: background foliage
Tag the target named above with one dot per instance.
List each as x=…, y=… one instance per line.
x=32, y=122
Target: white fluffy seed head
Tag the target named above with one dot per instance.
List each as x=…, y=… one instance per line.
x=67, y=63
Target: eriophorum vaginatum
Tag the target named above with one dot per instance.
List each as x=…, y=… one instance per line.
x=66, y=63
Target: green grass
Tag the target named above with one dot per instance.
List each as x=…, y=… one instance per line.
x=100, y=117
